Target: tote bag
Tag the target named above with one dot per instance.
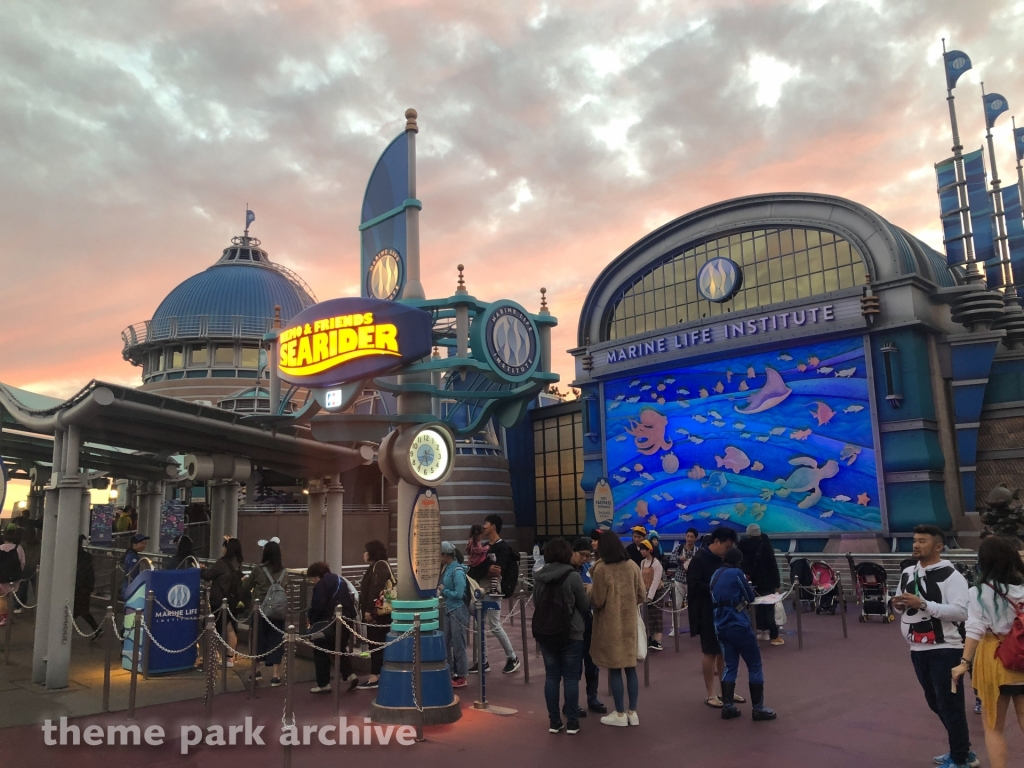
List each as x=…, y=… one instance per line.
x=641, y=635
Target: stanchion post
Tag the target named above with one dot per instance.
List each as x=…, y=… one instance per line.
x=254, y=649
x=471, y=631
x=481, y=655
x=675, y=618
x=224, y=642
x=136, y=639
x=842, y=604
x=289, y=704
x=417, y=674
x=204, y=611
x=526, y=648
x=150, y=597
x=108, y=655
x=7, y=635
x=647, y=657
x=799, y=616
x=337, y=660
x=208, y=631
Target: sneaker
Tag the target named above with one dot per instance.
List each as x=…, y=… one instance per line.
x=3, y=621
x=633, y=718
x=275, y=682
x=511, y=665
x=259, y=674
x=18, y=610
x=96, y=635
x=555, y=727
x=231, y=662
x=459, y=682
x=476, y=668
x=778, y=641
x=654, y=645
x=672, y=633
x=579, y=714
x=972, y=760
x=573, y=727
x=321, y=688
x=353, y=681
x=977, y=706
x=368, y=685
x=595, y=705
x=616, y=718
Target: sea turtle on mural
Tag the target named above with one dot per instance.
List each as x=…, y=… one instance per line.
x=806, y=477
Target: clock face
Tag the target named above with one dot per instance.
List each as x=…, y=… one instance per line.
x=429, y=456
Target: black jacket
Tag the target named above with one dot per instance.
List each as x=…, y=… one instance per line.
x=634, y=553
x=502, y=556
x=759, y=564
x=698, y=580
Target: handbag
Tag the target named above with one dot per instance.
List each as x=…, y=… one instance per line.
x=383, y=602
x=641, y=635
x=1011, y=648
x=780, y=613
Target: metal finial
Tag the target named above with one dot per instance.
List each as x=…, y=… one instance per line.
x=543, y=299
x=277, y=315
x=410, y=120
x=462, y=283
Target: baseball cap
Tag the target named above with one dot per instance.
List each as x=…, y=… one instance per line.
x=753, y=530
x=639, y=529
x=645, y=543
x=139, y=537
x=447, y=548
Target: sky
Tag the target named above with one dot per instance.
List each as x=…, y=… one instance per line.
x=553, y=135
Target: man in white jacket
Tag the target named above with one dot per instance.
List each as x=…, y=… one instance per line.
x=932, y=597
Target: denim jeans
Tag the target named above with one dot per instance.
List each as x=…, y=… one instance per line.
x=632, y=686
x=324, y=662
x=455, y=640
x=562, y=663
x=590, y=671
x=934, y=672
x=737, y=641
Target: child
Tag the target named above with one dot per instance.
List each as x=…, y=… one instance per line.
x=476, y=551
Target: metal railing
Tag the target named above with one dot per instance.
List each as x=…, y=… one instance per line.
x=196, y=327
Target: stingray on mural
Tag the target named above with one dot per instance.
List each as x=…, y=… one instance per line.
x=782, y=438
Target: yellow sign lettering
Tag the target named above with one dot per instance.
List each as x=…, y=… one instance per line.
x=330, y=342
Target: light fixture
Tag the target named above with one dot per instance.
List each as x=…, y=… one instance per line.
x=113, y=494
x=305, y=491
x=591, y=417
x=893, y=374
x=21, y=505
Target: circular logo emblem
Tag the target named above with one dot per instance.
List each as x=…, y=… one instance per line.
x=511, y=340
x=178, y=596
x=719, y=279
x=996, y=104
x=959, y=62
x=384, y=277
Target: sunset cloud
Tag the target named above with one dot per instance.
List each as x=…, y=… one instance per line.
x=553, y=135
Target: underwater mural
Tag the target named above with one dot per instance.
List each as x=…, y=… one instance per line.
x=780, y=438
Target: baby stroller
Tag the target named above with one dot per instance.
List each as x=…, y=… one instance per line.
x=826, y=587
x=873, y=591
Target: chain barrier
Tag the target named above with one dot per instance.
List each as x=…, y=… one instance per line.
x=305, y=641
x=80, y=633
x=18, y=601
x=237, y=653
x=270, y=622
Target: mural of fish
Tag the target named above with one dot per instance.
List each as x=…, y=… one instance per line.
x=801, y=367
x=682, y=432
x=825, y=369
x=714, y=522
x=670, y=465
x=704, y=514
x=719, y=387
x=638, y=467
x=696, y=473
x=686, y=518
x=654, y=395
x=680, y=506
x=695, y=440
x=740, y=508
x=813, y=360
x=771, y=394
x=635, y=399
x=728, y=377
x=661, y=387
x=826, y=515
x=661, y=401
x=681, y=391
x=743, y=386
x=841, y=498
x=638, y=483
x=718, y=423
x=620, y=397
x=667, y=497
x=823, y=413
x=785, y=358
x=734, y=459
x=751, y=373
x=652, y=520
x=656, y=497
x=849, y=453
x=700, y=418
x=800, y=434
x=618, y=478
x=846, y=373
x=723, y=515
x=613, y=405
x=746, y=435
x=716, y=414
x=620, y=438
x=853, y=409
x=738, y=425
x=645, y=387
x=670, y=381
x=757, y=466
x=635, y=383
x=716, y=481
x=647, y=476
x=777, y=431
x=703, y=392
x=762, y=438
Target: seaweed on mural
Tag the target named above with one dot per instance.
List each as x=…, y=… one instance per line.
x=782, y=438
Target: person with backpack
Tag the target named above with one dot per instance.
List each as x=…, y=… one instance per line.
x=454, y=589
x=932, y=598
x=375, y=605
x=268, y=582
x=560, y=601
x=329, y=591
x=731, y=594
x=503, y=566
x=12, y=564
x=225, y=576
x=615, y=595
x=994, y=649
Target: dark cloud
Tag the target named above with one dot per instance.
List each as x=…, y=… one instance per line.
x=553, y=136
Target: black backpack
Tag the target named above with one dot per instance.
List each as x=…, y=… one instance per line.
x=551, y=613
x=510, y=574
x=10, y=566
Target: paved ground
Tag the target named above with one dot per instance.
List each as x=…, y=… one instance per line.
x=842, y=704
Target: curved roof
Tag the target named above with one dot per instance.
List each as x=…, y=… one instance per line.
x=889, y=252
x=228, y=289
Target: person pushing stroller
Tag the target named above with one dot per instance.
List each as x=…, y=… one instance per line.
x=730, y=596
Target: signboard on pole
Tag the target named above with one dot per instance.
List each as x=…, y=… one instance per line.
x=425, y=541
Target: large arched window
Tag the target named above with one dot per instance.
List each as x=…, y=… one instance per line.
x=777, y=264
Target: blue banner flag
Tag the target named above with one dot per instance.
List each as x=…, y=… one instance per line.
x=981, y=216
x=382, y=229
x=250, y=217
x=1014, y=230
x=1018, y=141
x=949, y=212
x=957, y=62
x=995, y=105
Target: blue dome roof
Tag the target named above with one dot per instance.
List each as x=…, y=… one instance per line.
x=227, y=289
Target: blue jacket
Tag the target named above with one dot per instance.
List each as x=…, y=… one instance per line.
x=729, y=588
x=131, y=570
x=453, y=587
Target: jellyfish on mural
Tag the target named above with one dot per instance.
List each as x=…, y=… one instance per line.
x=649, y=433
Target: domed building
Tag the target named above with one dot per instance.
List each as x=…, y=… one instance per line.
x=203, y=342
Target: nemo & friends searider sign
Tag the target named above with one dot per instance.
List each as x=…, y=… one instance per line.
x=348, y=339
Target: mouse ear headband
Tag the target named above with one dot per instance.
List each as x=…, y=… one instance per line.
x=264, y=542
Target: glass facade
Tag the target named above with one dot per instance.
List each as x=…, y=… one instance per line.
x=777, y=264
x=558, y=467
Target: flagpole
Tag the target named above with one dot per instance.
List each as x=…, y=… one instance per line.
x=961, y=180
x=1017, y=154
x=246, y=219
x=997, y=202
